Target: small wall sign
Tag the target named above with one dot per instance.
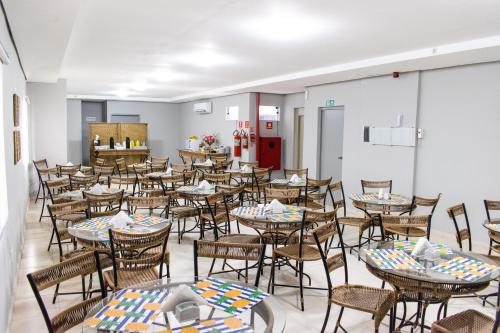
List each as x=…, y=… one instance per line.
x=269, y=125
x=330, y=102
x=247, y=124
x=240, y=124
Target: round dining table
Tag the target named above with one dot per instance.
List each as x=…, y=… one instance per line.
x=95, y=230
x=266, y=316
x=493, y=227
x=282, y=182
x=385, y=205
x=78, y=194
x=428, y=280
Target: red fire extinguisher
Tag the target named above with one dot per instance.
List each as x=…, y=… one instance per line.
x=244, y=139
x=237, y=143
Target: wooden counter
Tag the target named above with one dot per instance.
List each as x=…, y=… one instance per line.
x=110, y=155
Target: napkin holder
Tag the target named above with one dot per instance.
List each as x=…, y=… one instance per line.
x=120, y=220
x=204, y=185
x=295, y=179
x=246, y=169
x=275, y=207
x=424, y=250
x=184, y=304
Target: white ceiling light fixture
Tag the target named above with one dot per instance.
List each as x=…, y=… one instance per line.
x=206, y=58
x=285, y=25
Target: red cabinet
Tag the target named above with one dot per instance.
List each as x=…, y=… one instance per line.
x=270, y=152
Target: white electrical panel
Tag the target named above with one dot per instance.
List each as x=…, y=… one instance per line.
x=393, y=136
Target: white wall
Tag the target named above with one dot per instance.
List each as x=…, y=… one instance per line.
x=74, y=107
x=458, y=155
x=16, y=180
x=163, y=121
x=373, y=102
x=49, y=123
x=196, y=124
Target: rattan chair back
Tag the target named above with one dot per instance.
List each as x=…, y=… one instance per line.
x=217, y=178
x=337, y=196
x=138, y=251
x=82, y=182
x=404, y=223
x=150, y=203
x=376, y=185
x=491, y=205
x=105, y=204
x=121, y=167
x=284, y=195
x=73, y=316
x=456, y=213
x=56, y=187
x=229, y=251
x=66, y=170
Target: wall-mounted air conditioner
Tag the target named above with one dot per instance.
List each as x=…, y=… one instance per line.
x=203, y=108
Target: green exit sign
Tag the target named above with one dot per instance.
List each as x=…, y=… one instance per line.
x=330, y=102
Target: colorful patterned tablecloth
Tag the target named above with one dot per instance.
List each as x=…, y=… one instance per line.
x=393, y=259
x=224, y=325
x=408, y=247
x=228, y=297
x=129, y=310
x=94, y=224
x=465, y=268
x=394, y=199
x=291, y=213
x=146, y=220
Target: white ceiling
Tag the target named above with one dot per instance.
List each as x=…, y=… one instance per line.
x=182, y=50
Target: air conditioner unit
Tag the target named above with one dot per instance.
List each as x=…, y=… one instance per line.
x=203, y=108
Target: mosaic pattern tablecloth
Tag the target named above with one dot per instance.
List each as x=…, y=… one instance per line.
x=394, y=199
x=225, y=325
x=465, y=268
x=408, y=247
x=146, y=220
x=94, y=224
x=392, y=259
x=129, y=310
x=228, y=297
x=291, y=213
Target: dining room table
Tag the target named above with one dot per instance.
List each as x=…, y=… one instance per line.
x=428, y=279
x=78, y=194
x=283, y=182
x=228, y=306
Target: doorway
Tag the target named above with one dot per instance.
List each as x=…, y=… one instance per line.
x=92, y=112
x=331, y=142
x=298, y=138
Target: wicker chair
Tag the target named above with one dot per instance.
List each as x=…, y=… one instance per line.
x=376, y=184
x=135, y=257
x=221, y=166
x=302, y=173
x=489, y=206
x=316, y=193
x=123, y=183
x=229, y=251
x=286, y=196
x=469, y=321
x=44, y=174
x=374, y=301
x=254, y=164
x=66, y=170
x=106, y=204
x=302, y=248
x=217, y=178
x=99, y=161
x=157, y=164
x=337, y=196
x=261, y=178
x=180, y=167
x=40, y=164
x=82, y=182
x=74, y=315
x=406, y=226
x=121, y=167
x=104, y=172
x=149, y=203
x=454, y=213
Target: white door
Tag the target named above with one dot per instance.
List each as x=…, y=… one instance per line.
x=332, y=138
x=299, y=138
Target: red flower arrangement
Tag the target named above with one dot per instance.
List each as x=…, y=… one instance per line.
x=209, y=139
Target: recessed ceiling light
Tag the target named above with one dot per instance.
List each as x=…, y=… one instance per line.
x=206, y=58
x=285, y=25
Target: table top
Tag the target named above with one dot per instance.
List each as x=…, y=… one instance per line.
x=267, y=308
x=287, y=182
x=453, y=267
x=492, y=225
x=78, y=194
x=292, y=214
x=96, y=229
x=158, y=174
x=372, y=198
x=195, y=191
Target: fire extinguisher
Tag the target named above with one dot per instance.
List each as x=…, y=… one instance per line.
x=237, y=143
x=244, y=139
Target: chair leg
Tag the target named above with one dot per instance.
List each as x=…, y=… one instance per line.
x=51, y=238
x=325, y=322
x=43, y=208
x=38, y=192
x=168, y=271
x=83, y=287
x=337, y=325
x=301, y=284
x=178, y=230
x=489, y=251
x=56, y=292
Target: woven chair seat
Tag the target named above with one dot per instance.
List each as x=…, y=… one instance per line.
x=239, y=239
x=184, y=211
x=309, y=253
x=406, y=231
x=496, y=248
x=363, y=298
x=74, y=315
x=74, y=253
x=128, y=278
x=469, y=321
x=73, y=217
x=311, y=204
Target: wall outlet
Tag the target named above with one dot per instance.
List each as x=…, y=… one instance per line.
x=420, y=133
